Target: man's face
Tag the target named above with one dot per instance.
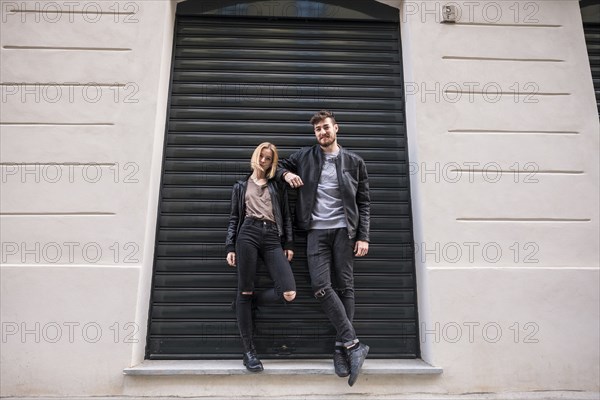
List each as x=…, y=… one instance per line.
x=326, y=132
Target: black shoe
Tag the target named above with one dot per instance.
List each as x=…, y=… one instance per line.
x=356, y=358
x=340, y=362
x=251, y=361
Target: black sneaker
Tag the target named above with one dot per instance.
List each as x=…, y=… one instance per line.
x=356, y=358
x=251, y=361
x=340, y=363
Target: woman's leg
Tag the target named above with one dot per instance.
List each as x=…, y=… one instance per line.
x=267, y=297
x=247, y=246
x=279, y=268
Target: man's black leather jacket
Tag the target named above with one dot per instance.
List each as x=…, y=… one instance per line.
x=354, y=187
x=281, y=211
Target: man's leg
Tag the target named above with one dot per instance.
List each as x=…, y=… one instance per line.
x=343, y=277
x=343, y=272
x=343, y=255
x=320, y=257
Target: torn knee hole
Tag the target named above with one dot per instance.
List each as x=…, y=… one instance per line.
x=247, y=293
x=289, y=296
x=320, y=293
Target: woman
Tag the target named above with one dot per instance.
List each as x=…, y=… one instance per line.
x=259, y=222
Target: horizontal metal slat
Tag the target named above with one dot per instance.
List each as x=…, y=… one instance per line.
x=223, y=207
x=294, y=43
x=226, y=296
x=286, y=98
x=308, y=312
x=224, y=193
x=281, y=54
x=312, y=347
x=202, y=250
x=281, y=140
x=240, y=127
x=287, y=30
x=235, y=167
x=293, y=116
x=234, y=94
x=284, y=328
x=282, y=66
x=195, y=152
x=228, y=279
x=286, y=78
x=212, y=179
x=216, y=221
x=211, y=265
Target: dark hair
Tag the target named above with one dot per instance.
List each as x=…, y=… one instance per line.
x=322, y=115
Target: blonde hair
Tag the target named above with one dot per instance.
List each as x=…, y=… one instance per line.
x=255, y=160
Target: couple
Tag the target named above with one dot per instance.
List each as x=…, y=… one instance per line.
x=333, y=207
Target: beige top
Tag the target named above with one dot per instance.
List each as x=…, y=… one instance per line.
x=258, y=201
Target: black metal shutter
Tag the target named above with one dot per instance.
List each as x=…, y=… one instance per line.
x=236, y=83
x=592, y=39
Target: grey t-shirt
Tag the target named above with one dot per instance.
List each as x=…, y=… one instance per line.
x=328, y=212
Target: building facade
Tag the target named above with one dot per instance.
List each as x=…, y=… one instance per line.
x=124, y=124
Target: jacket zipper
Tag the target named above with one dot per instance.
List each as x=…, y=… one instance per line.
x=320, y=169
x=275, y=204
x=339, y=172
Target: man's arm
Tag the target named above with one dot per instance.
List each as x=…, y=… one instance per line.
x=363, y=201
x=287, y=169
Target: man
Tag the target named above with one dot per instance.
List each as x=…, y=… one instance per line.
x=333, y=206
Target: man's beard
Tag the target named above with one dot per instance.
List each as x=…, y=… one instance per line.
x=326, y=141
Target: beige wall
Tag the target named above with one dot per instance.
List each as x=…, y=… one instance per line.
x=524, y=320
x=508, y=260
x=84, y=94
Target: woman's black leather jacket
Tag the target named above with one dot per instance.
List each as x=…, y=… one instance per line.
x=281, y=211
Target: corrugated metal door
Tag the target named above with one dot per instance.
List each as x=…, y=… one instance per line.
x=237, y=82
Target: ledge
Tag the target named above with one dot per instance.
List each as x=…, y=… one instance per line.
x=276, y=367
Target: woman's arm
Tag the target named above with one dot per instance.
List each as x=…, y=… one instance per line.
x=288, y=231
x=234, y=219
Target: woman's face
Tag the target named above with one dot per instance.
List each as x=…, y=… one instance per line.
x=266, y=159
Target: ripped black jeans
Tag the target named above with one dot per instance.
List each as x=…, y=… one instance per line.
x=259, y=238
x=332, y=251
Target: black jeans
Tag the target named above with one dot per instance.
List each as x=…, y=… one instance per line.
x=259, y=238
x=331, y=252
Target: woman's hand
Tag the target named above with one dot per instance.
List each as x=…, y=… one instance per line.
x=289, y=254
x=231, y=259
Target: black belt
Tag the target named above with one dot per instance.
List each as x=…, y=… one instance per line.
x=259, y=222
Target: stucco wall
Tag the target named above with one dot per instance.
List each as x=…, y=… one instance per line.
x=83, y=111
x=504, y=144
x=515, y=172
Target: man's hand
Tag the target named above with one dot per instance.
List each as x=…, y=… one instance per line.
x=231, y=259
x=289, y=254
x=361, y=248
x=293, y=180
